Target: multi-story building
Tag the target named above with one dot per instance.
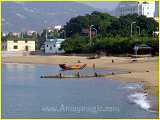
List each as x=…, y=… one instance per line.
x=20, y=44
x=18, y=34
x=141, y=8
x=58, y=27
x=52, y=46
x=54, y=28
x=147, y=9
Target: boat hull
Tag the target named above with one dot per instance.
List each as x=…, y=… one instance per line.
x=72, y=67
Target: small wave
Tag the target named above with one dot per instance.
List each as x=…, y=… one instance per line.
x=153, y=111
x=133, y=86
x=140, y=99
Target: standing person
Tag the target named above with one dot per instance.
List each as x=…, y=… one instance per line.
x=60, y=75
x=78, y=74
x=94, y=69
x=94, y=66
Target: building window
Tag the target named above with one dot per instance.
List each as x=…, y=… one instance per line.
x=50, y=48
x=47, y=45
x=26, y=41
x=15, y=47
x=15, y=41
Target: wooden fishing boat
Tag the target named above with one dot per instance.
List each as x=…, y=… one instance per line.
x=72, y=67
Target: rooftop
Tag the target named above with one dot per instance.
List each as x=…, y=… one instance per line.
x=21, y=39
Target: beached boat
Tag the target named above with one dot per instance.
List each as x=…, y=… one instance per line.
x=72, y=67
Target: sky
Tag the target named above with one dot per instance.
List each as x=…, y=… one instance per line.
x=103, y=5
x=37, y=15
x=22, y=16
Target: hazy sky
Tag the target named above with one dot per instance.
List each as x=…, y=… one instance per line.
x=22, y=16
x=104, y=5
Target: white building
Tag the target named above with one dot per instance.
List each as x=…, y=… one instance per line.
x=20, y=45
x=141, y=8
x=147, y=9
x=30, y=32
x=53, y=28
x=4, y=34
x=18, y=34
x=57, y=27
x=52, y=46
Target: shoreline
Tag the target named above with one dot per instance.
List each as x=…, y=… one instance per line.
x=145, y=70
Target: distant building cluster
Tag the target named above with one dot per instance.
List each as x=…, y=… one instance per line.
x=141, y=8
x=147, y=9
x=26, y=41
x=19, y=41
x=54, y=28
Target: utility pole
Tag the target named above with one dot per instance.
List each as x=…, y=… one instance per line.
x=22, y=35
x=90, y=33
x=131, y=27
x=139, y=30
x=95, y=30
x=46, y=34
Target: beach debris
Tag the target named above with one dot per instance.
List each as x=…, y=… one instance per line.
x=78, y=61
x=96, y=56
x=134, y=60
x=142, y=81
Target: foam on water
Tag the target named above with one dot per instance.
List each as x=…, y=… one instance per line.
x=133, y=86
x=141, y=100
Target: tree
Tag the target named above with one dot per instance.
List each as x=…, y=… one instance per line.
x=113, y=33
x=41, y=39
x=76, y=44
x=100, y=21
x=122, y=26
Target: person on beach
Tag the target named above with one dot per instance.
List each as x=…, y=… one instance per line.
x=78, y=74
x=94, y=66
x=95, y=74
x=60, y=75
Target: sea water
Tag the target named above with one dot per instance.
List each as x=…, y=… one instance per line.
x=26, y=95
